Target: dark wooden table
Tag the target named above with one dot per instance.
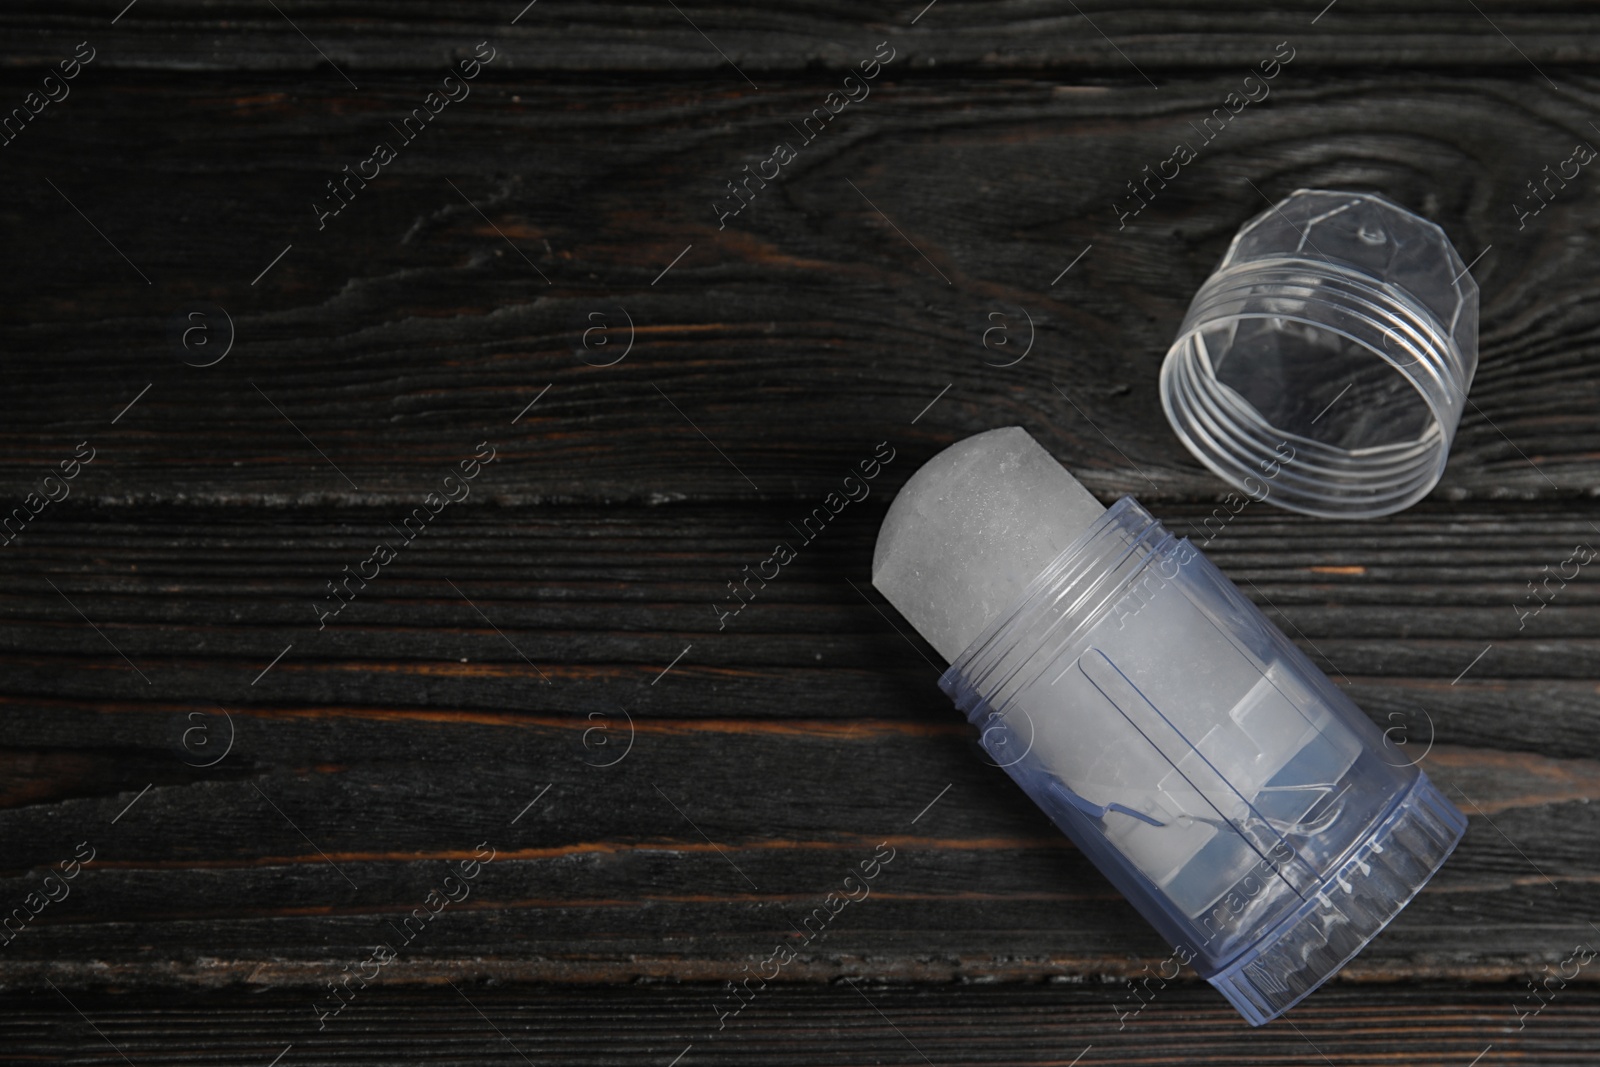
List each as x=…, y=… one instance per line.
x=270, y=389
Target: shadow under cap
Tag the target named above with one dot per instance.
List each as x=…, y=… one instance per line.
x=971, y=528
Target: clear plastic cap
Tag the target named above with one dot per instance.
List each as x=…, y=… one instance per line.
x=1340, y=330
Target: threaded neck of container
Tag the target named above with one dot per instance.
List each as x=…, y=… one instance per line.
x=1061, y=604
x=1233, y=438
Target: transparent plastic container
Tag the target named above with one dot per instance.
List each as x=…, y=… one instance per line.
x=1342, y=326
x=1238, y=799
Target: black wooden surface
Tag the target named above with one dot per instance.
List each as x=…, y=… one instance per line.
x=551, y=640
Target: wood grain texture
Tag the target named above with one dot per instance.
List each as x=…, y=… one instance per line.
x=267, y=799
x=837, y=1026
x=763, y=766
x=631, y=37
x=412, y=327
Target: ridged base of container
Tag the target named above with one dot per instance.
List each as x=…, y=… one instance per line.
x=1350, y=908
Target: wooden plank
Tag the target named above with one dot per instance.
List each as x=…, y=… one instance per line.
x=606, y=599
x=408, y=330
x=1057, y=1024
x=586, y=37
